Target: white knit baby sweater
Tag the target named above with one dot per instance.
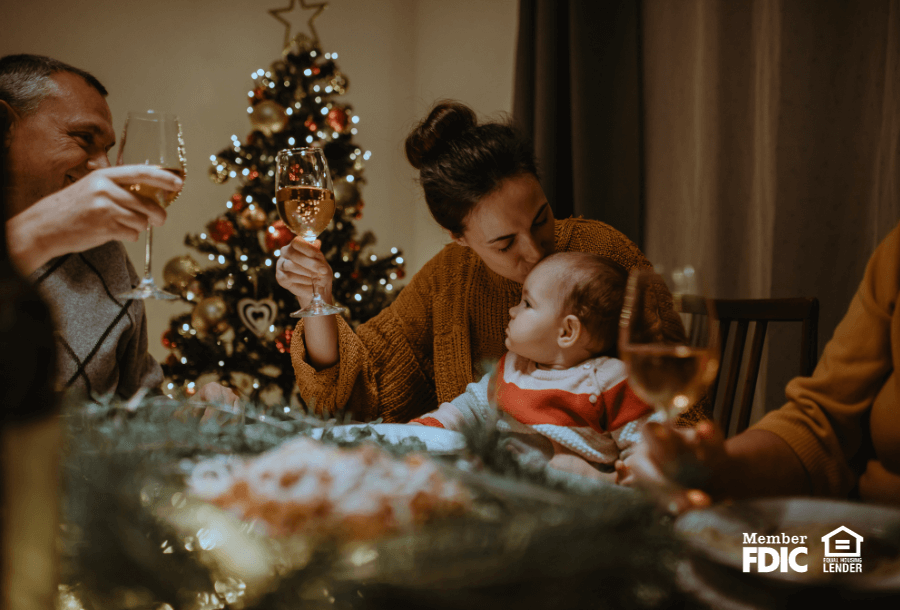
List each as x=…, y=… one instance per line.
x=588, y=409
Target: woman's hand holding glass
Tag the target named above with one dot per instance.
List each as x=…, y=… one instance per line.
x=302, y=266
x=682, y=467
x=671, y=376
x=304, y=196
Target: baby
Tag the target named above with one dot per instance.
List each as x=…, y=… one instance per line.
x=560, y=387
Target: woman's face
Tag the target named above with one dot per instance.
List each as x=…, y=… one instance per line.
x=511, y=229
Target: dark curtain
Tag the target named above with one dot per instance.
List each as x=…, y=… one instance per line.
x=578, y=94
x=759, y=139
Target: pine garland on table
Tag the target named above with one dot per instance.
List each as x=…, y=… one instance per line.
x=133, y=539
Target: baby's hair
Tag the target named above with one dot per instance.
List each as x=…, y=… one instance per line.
x=593, y=290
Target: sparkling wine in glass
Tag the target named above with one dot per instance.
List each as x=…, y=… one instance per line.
x=152, y=138
x=304, y=197
x=670, y=374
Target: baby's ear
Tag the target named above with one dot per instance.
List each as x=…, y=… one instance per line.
x=570, y=331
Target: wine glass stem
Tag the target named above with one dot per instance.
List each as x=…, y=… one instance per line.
x=147, y=254
x=317, y=298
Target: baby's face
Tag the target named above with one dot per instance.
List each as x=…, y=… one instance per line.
x=536, y=322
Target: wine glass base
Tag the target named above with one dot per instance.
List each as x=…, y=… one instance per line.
x=313, y=309
x=147, y=289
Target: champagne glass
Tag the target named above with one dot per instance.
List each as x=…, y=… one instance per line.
x=304, y=197
x=670, y=374
x=152, y=138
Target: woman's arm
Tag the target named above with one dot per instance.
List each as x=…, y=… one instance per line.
x=752, y=464
x=805, y=446
x=384, y=369
x=301, y=266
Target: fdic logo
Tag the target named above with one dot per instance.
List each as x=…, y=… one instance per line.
x=842, y=552
x=770, y=558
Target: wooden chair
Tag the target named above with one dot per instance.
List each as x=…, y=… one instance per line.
x=740, y=313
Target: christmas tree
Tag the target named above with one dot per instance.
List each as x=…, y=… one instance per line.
x=239, y=329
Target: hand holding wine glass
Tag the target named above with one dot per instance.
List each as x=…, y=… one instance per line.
x=304, y=197
x=152, y=138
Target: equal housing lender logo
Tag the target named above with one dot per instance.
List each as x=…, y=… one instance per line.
x=783, y=552
x=843, y=551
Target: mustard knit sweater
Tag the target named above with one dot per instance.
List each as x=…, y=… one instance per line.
x=846, y=417
x=442, y=332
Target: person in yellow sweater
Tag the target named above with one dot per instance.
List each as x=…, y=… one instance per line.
x=447, y=325
x=838, y=435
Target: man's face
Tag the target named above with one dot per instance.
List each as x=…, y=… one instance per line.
x=67, y=137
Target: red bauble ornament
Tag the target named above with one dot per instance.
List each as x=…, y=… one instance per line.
x=253, y=175
x=237, y=202
x=283, y=341
x=315, y=70
x=310, y=124
x=354, y=246
x=337, y=119
x=355, y=275
x=168, y=339
x=360, y=204
x=258, y=93
x=221, y=230
x=400, y=273
x=278, y=236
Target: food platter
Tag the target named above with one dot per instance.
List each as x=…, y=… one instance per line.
x=436, y=440
x=719, y=535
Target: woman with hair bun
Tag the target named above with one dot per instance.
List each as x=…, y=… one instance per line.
x=481, y=185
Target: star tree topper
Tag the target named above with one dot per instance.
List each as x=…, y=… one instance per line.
x=319, y=6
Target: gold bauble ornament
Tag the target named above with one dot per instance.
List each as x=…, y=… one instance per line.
x=269, y=117
x=218, y=171
x=209, y=315
x=253, y=217
x=180, y=272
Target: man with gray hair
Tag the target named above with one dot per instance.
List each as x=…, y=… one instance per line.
x=68, y=212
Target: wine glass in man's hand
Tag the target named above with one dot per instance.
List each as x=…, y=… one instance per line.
x=152, y=138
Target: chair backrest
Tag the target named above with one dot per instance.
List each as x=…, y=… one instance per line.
x=740, y=313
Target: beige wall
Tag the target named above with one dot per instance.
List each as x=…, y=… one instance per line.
x=194, y=58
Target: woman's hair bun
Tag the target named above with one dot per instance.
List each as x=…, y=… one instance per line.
x=447, y=121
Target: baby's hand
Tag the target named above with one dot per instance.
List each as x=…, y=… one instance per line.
x=624, y=475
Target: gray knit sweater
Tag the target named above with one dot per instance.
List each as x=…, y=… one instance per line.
x=101, y=339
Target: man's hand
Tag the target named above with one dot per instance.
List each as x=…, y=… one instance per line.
x=92, y=211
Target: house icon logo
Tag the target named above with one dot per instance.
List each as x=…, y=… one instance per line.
x=843, y=542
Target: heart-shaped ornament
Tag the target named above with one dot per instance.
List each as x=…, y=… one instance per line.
x=257, y=316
